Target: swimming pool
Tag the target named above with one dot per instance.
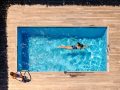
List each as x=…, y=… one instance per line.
x=38, y=49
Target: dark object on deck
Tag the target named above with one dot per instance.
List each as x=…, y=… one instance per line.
x=26, y=76
x=75, y=74
x=25, y=79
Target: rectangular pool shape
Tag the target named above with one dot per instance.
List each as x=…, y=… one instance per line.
x=42, y=49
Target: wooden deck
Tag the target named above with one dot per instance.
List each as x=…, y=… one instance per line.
x=37, y=15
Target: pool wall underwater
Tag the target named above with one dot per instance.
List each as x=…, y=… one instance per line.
x=27, y=54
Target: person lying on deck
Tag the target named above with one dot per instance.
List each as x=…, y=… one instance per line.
x=78, y=46
x=16, y=75
x=20, y=76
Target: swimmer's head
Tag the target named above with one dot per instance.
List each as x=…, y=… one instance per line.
x=79, y=44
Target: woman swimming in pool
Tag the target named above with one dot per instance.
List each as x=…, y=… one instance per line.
x=78, y=46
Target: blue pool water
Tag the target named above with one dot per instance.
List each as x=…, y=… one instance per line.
x=38, y=49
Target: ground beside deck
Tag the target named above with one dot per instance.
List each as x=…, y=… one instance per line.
x=37, y=15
